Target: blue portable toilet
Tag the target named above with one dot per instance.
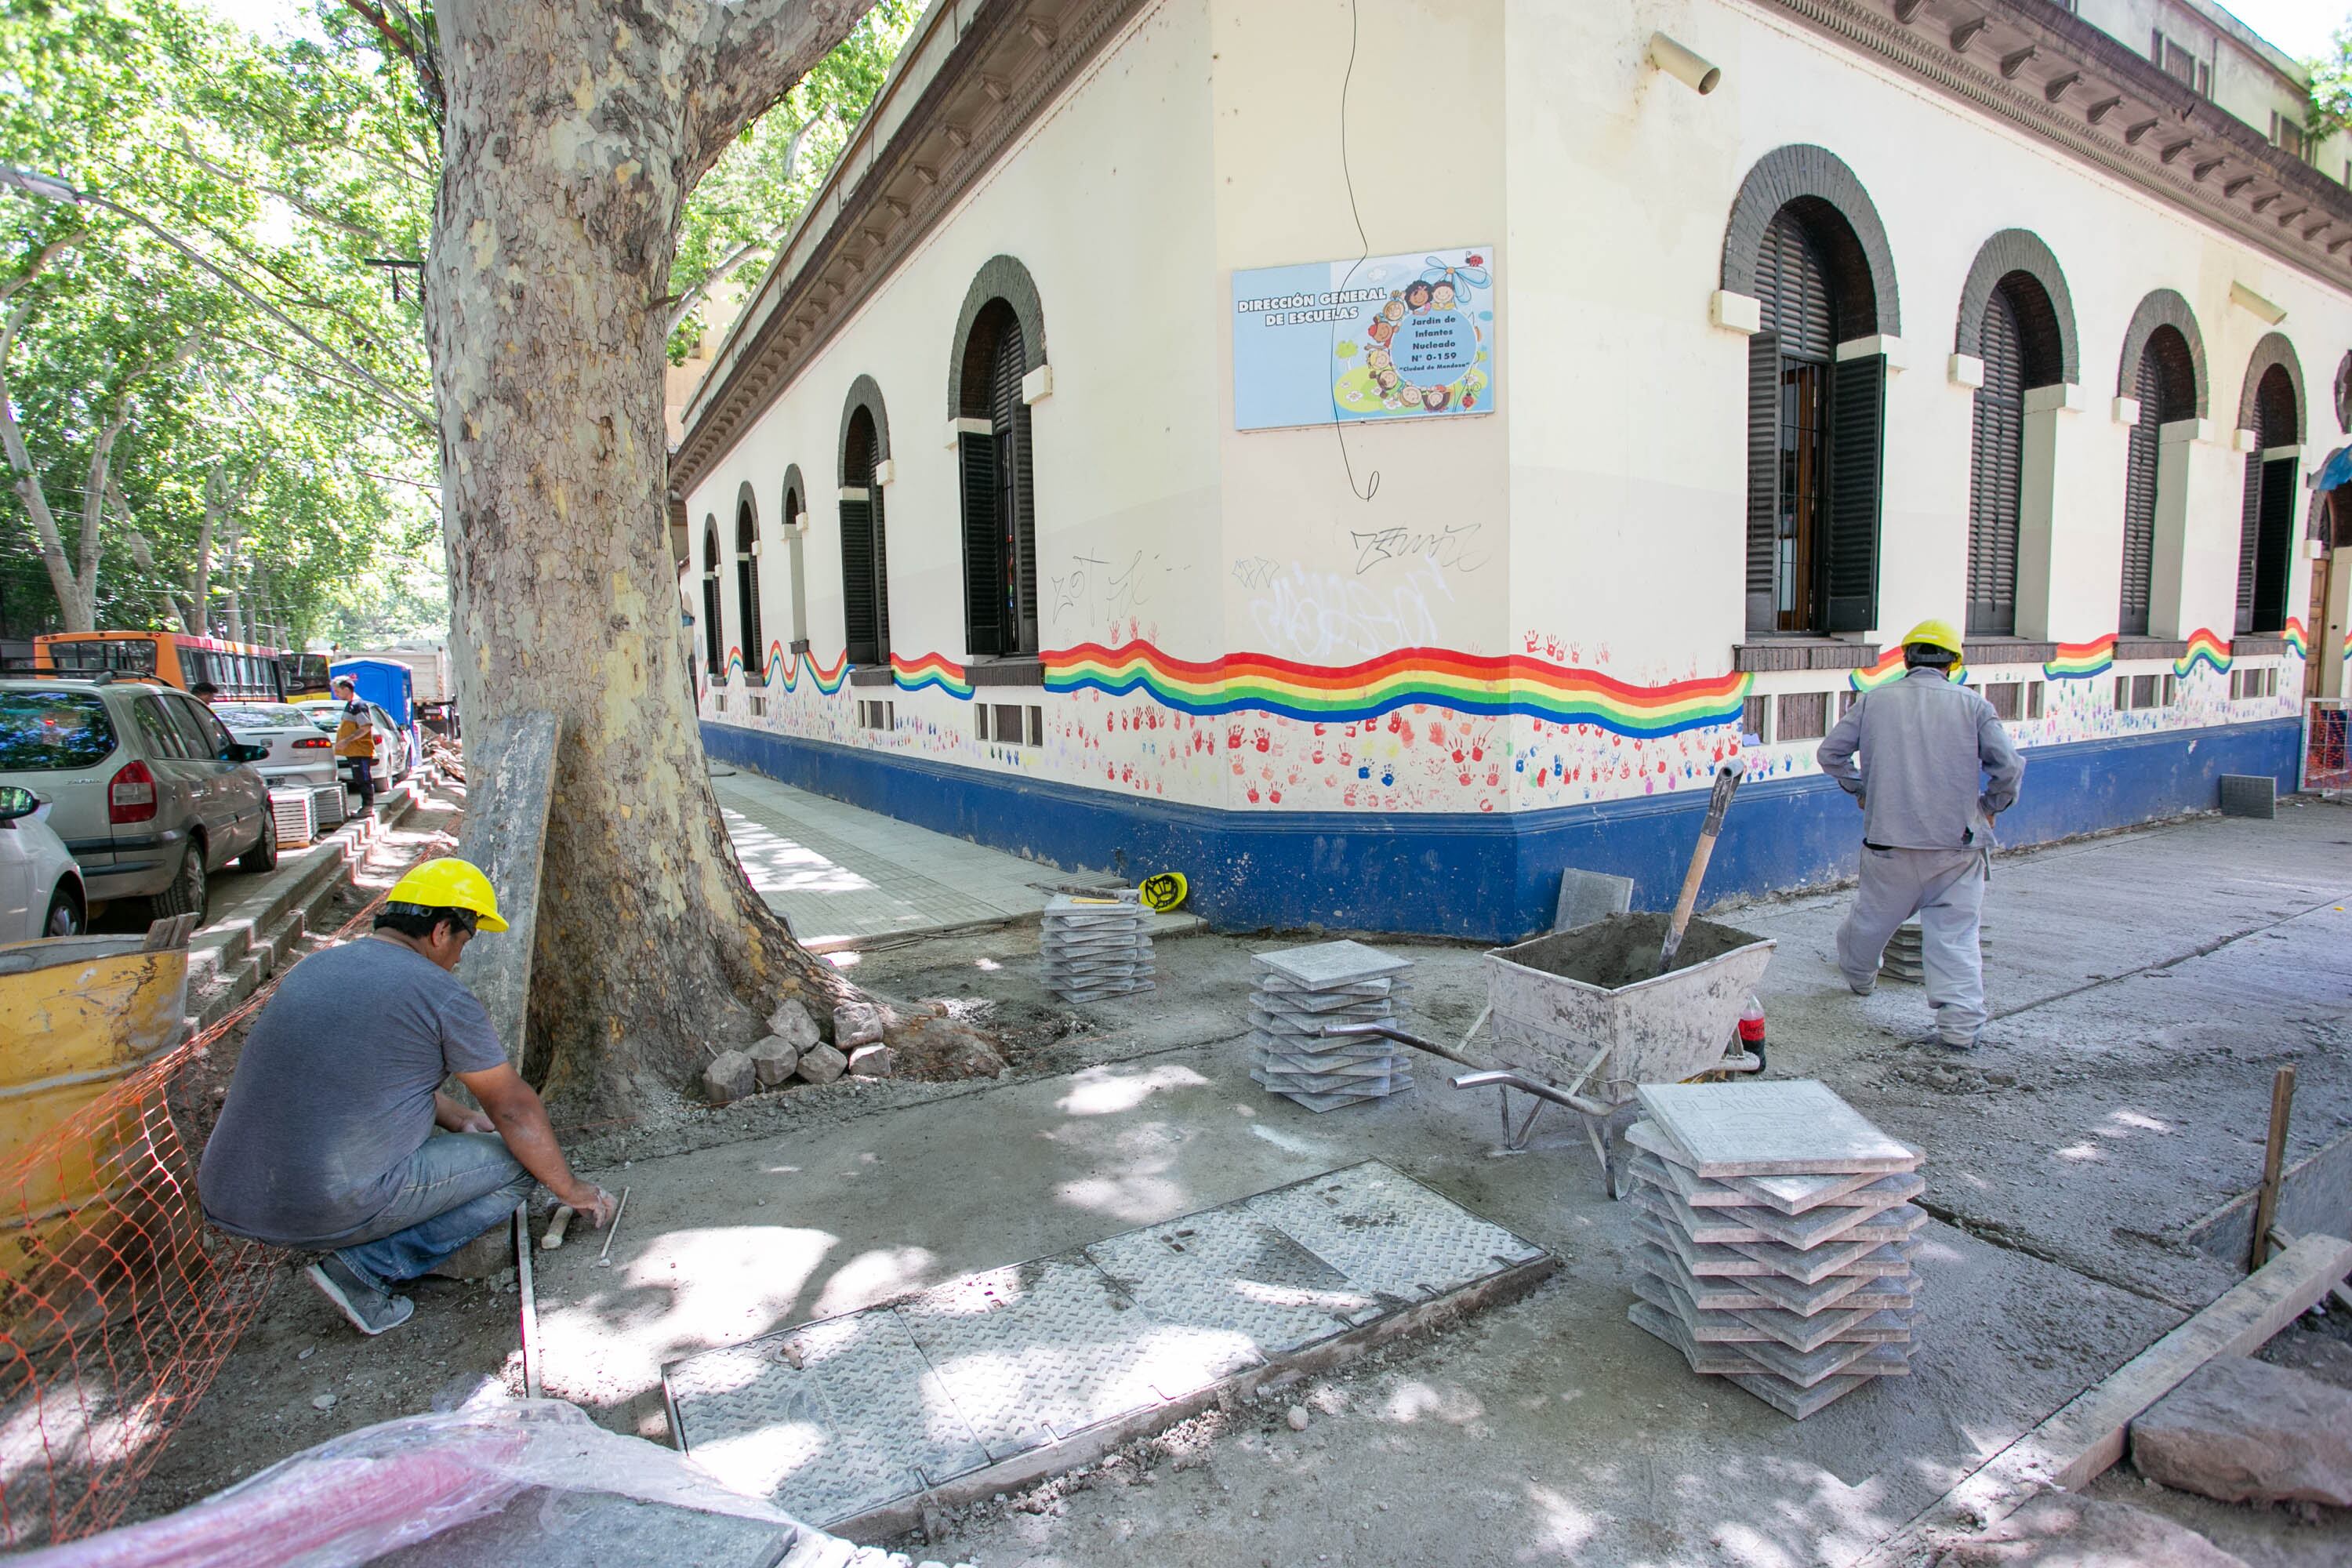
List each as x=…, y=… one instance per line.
x=390, y=686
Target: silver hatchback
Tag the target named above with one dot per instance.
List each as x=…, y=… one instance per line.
x=149, y=790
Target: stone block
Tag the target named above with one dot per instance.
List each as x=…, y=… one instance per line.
x=793, y=1023
x=774, y=1059
x=821, y=1064
x=479, y=1258
x=2242, y=1430
x=2062, y=1530
x=855, y=1024
x=729, y=1077
x=873, y=1061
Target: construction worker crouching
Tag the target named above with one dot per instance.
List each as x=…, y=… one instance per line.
x=335, y=1137
x=1937, y=766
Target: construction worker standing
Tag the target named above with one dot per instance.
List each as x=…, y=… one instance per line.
x=336, y=1137
x=355, y=741
x=1937, y=766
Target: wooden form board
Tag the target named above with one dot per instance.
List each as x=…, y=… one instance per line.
x=2077, y=1445
x=510, y=772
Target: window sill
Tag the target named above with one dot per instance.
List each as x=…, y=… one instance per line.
x=799, y=645
x=1798, y=651
x=2151, y=647
x=2007, y=650
x=870, y=675
x=1014, y=669
x=2259, y=644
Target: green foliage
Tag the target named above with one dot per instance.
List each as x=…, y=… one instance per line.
x=2331, y=87
x=219, y=309
x=742, y=211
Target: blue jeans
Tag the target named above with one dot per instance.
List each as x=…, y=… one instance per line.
x=457, y=1187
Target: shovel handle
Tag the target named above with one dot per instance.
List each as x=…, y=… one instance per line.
x=1726, y=779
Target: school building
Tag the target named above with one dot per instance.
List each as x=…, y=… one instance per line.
x=1368, y=455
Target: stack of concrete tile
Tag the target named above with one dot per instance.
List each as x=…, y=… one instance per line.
x=1300, y=990
x=1905, y=958
x=1096, y=947
x=1775, y=1227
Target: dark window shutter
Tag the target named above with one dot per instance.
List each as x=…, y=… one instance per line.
x=1793, y=283
x=1763, y=473
x=1016, y=516
x=881, y=575
x=1857, y=446
x=861, y=633
x=2139, y=500
x=983, y=571
x=2274, y=548
x=1996, y=480
x=2249, y=531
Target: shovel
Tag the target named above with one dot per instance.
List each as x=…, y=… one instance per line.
x=1726, y=779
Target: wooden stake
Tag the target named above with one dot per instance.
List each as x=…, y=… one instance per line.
x=612, y=1230
x=2274, y=1157
x=529, y=1300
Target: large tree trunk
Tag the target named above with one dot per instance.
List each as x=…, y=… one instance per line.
x=573, y=131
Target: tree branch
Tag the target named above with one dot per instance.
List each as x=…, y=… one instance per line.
x=743, y=255
x=300, y=204
x=760, y=49
x=77, y=612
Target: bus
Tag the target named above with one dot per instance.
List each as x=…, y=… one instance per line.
x=239, y=670
x=304, y=675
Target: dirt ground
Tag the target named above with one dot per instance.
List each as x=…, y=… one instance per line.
x=2144, y=986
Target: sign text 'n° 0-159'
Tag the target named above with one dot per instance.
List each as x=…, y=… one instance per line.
x=1386, y=338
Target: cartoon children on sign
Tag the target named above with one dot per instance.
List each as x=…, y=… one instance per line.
x=1426, y=348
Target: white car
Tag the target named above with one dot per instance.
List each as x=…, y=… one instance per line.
x=392, y=761
x=40, y=887
x=300, y=756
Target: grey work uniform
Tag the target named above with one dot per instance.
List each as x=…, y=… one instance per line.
x=1937, y=767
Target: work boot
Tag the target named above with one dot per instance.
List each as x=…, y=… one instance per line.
x=370, y=1307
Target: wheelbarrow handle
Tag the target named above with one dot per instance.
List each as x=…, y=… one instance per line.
x=1390, y=1032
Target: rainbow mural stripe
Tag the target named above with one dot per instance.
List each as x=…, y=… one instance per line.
x=1512, y=684
x=2296, y=642
x=786, y=669
x=933, y=671
x=2206, y=648
x=2082, y=660
x=1888, y=668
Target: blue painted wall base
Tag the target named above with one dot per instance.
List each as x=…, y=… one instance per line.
x=1488, y=877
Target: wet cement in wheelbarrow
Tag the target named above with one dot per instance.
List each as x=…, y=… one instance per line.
x=1618, y=951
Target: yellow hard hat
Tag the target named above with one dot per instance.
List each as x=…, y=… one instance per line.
x=1935, y=634
x=450, y=883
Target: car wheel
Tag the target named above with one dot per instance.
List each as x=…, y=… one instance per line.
x=263, y=856
x=65, y=917
x=186, y=896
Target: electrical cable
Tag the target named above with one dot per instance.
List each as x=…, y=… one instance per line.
x=1372, y=478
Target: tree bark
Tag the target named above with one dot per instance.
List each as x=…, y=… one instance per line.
x=574, y=132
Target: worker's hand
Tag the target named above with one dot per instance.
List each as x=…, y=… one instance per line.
x=595, y=1206
x=472, y=1121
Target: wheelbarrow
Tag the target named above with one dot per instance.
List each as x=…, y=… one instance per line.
x=1582, y=1019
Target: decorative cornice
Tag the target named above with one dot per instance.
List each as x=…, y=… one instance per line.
x=2037, y=66
x=895, y=183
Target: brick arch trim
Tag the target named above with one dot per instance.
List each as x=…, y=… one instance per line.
x=2274, y=350
x=2164, y=308
x=748, y=500
x=1000, y=278
x=1795, y=173
x=2020, y=250
x=863, y=393
x=792, y=482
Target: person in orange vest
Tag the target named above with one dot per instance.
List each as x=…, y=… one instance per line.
x=356, y=742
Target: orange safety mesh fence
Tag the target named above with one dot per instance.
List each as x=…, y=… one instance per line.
x=118, y=1303
x=2325, y=764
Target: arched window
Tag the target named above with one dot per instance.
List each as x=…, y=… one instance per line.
x=747, y=591
x=1815, y=424
x=1000, y=524
x=2266, y=532
x=865, y=554
x=2165, y=382
x=714, y=636
x=2018, y=340
x=795, y=526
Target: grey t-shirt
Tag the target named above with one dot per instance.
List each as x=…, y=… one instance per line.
x=334, y=1093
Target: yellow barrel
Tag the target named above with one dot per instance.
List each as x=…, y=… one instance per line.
x=77, y=1015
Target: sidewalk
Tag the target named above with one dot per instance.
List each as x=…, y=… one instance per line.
x=846, y=877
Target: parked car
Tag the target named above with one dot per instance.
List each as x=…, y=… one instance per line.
x=40, y=887
x=145, y=786
x=394, y=760
x=300, y=757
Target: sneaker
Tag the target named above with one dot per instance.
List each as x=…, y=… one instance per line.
x=371, y=1308
x=1969, y=1044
